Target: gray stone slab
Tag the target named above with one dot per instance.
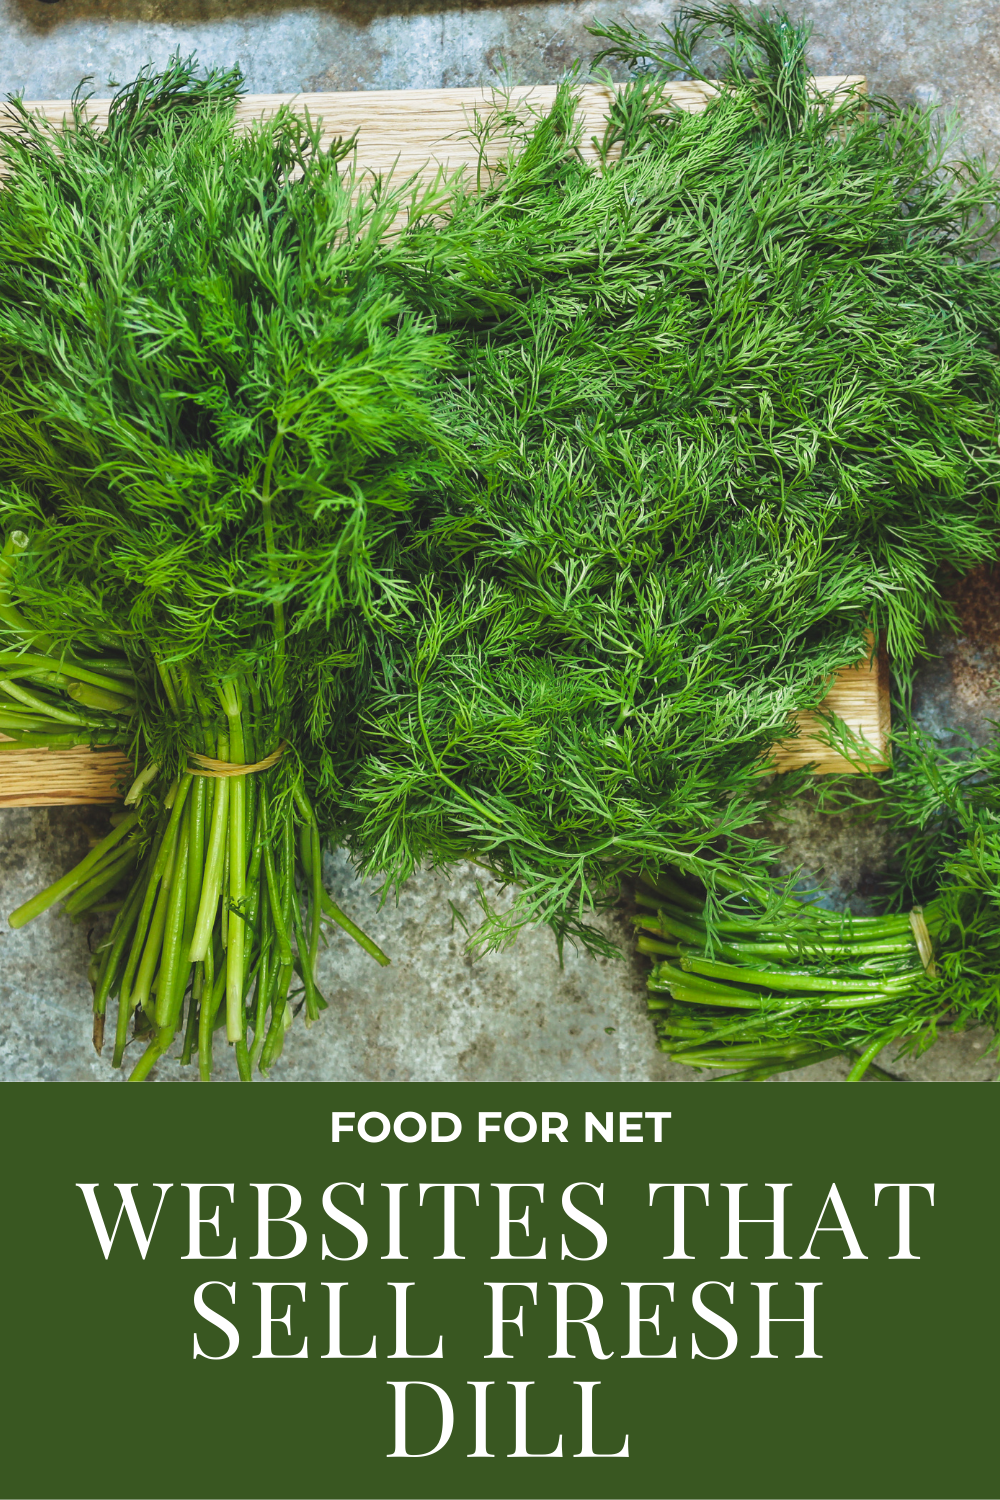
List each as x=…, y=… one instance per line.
x=436, y=1014
x=926, y=51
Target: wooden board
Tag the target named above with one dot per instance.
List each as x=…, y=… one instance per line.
x=859, y=697
x=62, y=778
x=418, y=132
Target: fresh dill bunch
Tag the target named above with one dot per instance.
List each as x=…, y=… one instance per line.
x=762, y=991
x=728, y=399
x=214, y=410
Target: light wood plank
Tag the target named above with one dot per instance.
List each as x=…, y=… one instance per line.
x=419, y=131
x=54, y=778
x=859, y=696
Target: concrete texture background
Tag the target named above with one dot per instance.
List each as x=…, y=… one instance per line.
x=436, y=1014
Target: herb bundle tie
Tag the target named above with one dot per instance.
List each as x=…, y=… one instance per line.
x=922, y=938
x=205, y=765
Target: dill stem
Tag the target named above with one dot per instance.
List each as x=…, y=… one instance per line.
x=235, y=1018
x=154, y=940
x=67, y=666
x=265, y=983
x=313, y=866
x=650, y=945
x=353, y=930
x=275, y=1039
x=148, y=881
x=196, y=856
x=191, y=1029
x=206, y=1017
x=173, y=968
x=100, y=883
x=284, y=883
x=121, y=930
x=157, y=1047
x=69, y=882
x=304, y=968
x=212, y=883
x=786, y=979
x=277, y=914
x=870, y=1053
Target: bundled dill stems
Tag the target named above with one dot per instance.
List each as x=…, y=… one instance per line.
x=729, y=400
x=212, y=412
x=740, y=993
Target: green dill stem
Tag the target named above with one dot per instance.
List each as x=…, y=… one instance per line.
x=100, y=698
x=67, y=667
x=99, y=884
x=732, y=998
x=69, y=882
x=157, y=1047
x=235, y=1018
x=206, y=1018
x=223, y=922
x=265, y=983
x=266, y=997
x=277, y=914
x=42, y=741
x=121, y=930
x=351, y=928
x=169, y=687
x=671, y=927
x=16, y=622
x=191, y=1030
x=196, y=856
x=154, y=939
x=146, y=775
x=767, y=1070
x=315, y=913
x=304, y=969
x=783, y=979
x=312, y=864
x=739, y=1028
x=155, y=863
x=650, y=945
x=870, y=1053
x=288, y=869
x=174, y=961
x=214, y=862
x=285, y=966
x=753, y=1052
x=275, y=1039
x=42, y=706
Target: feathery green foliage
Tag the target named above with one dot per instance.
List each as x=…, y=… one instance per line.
x=212, y=406
x=726, y=403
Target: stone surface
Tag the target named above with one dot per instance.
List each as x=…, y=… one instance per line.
x=923, y=51
x=436, y=1013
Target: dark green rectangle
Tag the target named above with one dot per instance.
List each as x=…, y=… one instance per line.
x=105, y=1398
